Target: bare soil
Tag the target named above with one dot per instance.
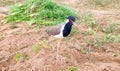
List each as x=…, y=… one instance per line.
x=20, y=37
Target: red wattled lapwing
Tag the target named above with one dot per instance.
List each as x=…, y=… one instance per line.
x=62, y=30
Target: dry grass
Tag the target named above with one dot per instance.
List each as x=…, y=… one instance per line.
x=9, y=2
x=105, y=4
x=92, y=4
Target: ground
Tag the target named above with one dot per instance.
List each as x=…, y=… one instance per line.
x=53, y=56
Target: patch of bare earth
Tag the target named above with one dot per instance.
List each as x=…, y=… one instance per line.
x=23, y=38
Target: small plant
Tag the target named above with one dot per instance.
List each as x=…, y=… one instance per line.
x=20, y=56
x=44, y=44
x=72, y=68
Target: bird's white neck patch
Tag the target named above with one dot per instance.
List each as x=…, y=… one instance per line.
x=60, y=35
x=67, y=21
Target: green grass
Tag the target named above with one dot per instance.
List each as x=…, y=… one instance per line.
x=39, y=12
x=72, y=68
x=21, y=56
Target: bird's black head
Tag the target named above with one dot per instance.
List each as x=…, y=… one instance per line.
x=71, y=18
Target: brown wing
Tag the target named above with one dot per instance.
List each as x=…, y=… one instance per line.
x=54, y=30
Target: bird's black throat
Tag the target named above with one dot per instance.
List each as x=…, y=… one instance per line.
x=67, y=29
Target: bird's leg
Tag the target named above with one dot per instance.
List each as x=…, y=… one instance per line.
x=51, y=39
x=59, y=41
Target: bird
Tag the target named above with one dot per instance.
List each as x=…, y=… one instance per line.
x=62, y=30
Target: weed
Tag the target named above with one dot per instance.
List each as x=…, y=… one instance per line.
x=84, y=51
x=90, y=32
x=93, y=44
x=20, y=56
x=42, y=44
x=39, y=12
x=111, y=38
x=111, y=28
x=72, y=68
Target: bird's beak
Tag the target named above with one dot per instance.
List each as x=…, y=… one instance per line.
x=74, y=24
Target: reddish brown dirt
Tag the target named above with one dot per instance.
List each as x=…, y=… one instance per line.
x=59, y=57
